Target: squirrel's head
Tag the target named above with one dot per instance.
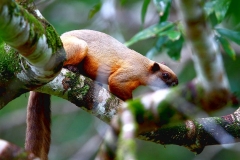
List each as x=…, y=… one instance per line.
x=162, y=76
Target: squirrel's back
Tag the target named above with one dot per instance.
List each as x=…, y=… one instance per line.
x=105, y=54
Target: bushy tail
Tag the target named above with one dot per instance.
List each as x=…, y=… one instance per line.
x=38, y=134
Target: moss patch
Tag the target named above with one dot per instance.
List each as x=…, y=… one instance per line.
x=76, y=85
x=9, y=62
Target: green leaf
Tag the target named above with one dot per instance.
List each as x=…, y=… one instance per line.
x=150, y=32
x=227, y=47
x=217, y=7
x=221, y=9
x=180, y=27
x=230, y=34
x=163, y=7
x=161, y=41
x=94, y=10
x=172, y=34
x=213, y=19
x=233, y=14
x=173, y=48
x=209, y=7
x=144, y=10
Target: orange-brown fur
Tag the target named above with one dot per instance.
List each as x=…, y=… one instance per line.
x=101, y=58
x=105, y=59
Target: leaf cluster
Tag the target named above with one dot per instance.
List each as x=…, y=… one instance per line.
x=169, y=35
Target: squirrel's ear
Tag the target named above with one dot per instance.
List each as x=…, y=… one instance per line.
x=155, y=67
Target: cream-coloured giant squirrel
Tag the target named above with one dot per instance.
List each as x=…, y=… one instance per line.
x=104, y=59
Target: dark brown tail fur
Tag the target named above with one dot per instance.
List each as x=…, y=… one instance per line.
x=38, y=134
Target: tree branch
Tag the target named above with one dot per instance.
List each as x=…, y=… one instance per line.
x=192, y=134
x=199, y=133
x=36, y=41
x=157, y=121
x=84, y=93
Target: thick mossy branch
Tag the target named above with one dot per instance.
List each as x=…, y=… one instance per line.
x=159, y=121
x=199, y=133
x=36, y=40
x=151, y=111
x=84, y=93
x=10, y=65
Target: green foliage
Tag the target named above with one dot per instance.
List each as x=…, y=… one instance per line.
x=95, y=9
x=230, y=34
x=171, y=45
x=123, y=2
x=233, y=18
x=217, y=7
x=170, y=39
x=169, y=35
x=137, y=108
x=227, y=47
x=144, y=10
x=163, y=8
x=8, y=67
x=152, y=31
x=217, y=12
x=173, y=48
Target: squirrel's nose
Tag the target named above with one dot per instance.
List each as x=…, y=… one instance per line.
x=175, y=83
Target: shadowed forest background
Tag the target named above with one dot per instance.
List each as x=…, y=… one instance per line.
x=77, y=134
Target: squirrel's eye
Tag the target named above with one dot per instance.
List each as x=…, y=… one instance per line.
x=166, y=76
